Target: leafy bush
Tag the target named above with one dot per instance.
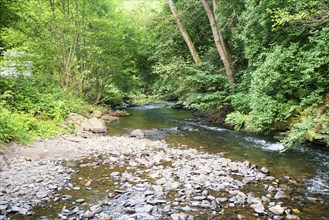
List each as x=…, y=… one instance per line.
x=25, y=128
x=33, y=107
x=237, y=119
x=206, y=87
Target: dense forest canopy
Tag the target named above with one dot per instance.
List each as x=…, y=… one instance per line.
x=263, y=63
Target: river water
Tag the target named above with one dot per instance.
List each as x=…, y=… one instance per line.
x=308, y=165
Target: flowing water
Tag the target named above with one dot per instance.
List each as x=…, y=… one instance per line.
x=308, y=165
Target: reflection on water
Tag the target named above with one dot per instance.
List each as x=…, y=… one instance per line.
x=178, y=127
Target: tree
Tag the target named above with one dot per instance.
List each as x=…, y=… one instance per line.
x=220, y=43
x=184, y=33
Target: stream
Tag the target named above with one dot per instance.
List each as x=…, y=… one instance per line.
x=307, y=164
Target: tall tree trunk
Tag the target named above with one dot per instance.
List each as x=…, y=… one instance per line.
x=220, y=43
x=184, y=33
x=214, y=7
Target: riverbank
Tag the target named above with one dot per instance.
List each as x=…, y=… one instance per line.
x=142, y=179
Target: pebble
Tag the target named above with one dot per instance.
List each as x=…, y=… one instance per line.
x=88, y=214
x=259, y=208
x=278, y=210
x=79, y=200
x=264, y=170
x=279, y=195
x=199, y=198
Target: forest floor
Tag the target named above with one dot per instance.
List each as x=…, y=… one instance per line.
x=136, y=178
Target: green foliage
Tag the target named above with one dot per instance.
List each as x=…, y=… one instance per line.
x=206, y=87
x=25, y=128
x=237, y=119
x=280, y=53
x=298, y=132
x=33, y=107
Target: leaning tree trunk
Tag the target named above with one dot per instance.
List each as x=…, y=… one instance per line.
x=184, y=33
x=220, y=43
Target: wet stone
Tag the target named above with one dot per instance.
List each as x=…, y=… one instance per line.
x=79, y=200
x=264, y=170
x=66, y=197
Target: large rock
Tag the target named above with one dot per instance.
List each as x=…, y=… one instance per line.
x=96, y=114
x=109, y=118
x=94, y=125
x=82, y=123
x=137, y=133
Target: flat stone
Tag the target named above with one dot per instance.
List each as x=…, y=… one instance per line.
x=52, y=187
x=105, y=216
x=187, y=209
x=144, y=209
x=199, y=198
x=247, y=180
x=42, y=195
x=66, y=197
x=96, y=209
x=278, y=210
x=178, y=216
x=167, y=209
x=205, y=204
x=115, y=174
x=279, y=195
x=221, y=200
x=259, y=208
x=3, y=207
x=213, y=204
x=292, y=217
x=15, y=209
x=79, y=200
x=130, y=210
x=88, y=214
x=23, y=211
x=240, y=200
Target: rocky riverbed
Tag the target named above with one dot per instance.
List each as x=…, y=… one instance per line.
x=136, y=178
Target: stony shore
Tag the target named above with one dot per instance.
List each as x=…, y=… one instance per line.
x=153, y=181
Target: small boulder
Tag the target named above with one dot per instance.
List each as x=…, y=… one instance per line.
x=94, y=125
x=137, y=133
